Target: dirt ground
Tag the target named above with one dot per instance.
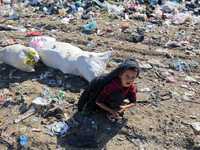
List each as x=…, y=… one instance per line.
x=160, y=120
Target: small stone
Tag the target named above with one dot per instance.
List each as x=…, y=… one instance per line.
x=196, y=126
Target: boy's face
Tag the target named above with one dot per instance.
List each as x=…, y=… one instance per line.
x=128, y=77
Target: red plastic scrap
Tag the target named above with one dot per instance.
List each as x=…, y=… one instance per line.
x=33, y=33
x=172, y=80
x=1, y=98
x=7, y=42
x=166, y=97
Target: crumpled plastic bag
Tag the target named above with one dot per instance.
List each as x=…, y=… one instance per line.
x=23, y=140
x=88, y=27
x=154, y=2
x=170, y=6
x=39, y=41
x=61, y=128
x=111, y=8
x=40, y=101
x=194, y=20
x=179, y=18
x=20, y=57
x=72, y=60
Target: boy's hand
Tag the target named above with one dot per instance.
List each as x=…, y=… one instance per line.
x=116, y=115
x=121, y=109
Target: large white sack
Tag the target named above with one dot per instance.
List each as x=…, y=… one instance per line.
x=20, y=57
x=72, y=60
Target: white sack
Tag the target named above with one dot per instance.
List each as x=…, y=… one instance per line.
x=18, y=56
x=72, y=60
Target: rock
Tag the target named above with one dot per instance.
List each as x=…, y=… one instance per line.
x=196, y=126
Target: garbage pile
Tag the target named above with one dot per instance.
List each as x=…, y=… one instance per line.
x=48, y=46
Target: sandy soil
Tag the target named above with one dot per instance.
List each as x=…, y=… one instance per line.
x=156, y=123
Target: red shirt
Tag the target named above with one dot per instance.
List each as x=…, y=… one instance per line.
x=115, y=86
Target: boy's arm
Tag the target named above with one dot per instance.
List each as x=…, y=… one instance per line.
x=113, y=112
x=132, y=94
x=122, y=108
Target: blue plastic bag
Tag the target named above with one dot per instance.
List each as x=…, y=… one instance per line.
x=154, y=2
x=73, y=8
x=175, y=1
x=88, y=27
x=23, y=140
x=78, y=4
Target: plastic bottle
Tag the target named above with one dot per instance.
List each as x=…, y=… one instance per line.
x=91, y=43
x=36, y=130
x=180, y=68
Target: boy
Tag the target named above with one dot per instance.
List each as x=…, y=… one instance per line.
x=109, y=90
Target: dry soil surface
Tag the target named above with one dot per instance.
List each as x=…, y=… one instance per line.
x=160, y=120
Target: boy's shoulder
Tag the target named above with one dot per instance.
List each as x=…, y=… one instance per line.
x=115, y=80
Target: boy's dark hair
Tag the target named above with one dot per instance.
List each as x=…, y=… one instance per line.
x=133, y=69
x=131, y=64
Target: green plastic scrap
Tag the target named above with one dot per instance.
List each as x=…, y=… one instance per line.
x=20, y=100
x=59, y=97
x=94, y=127
x=61, y=94
x=23, y=129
